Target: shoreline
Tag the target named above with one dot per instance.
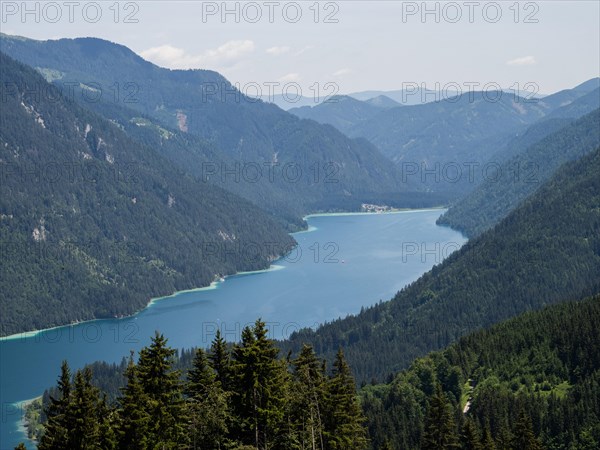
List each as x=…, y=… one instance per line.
x=22, y=426
x=22, y=404
x=210, y=287
x=151, y=302
x=23, y=423
x=214, y=284
x=362, y=213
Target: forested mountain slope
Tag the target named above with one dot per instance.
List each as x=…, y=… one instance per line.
x=274, y=193
x=460, y=126
x=545, y=251
x=206, y=162
x=461, y=131
x=311, y=162
x=458, y=129
x=523, y=174
x=551, y=123
x=94, y=224
x=343, y=112
x=239, y=398
x=448, y=130
x=578, y=107
x=530, y=382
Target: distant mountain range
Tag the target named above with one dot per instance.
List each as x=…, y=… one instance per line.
x=201, y=145
x=291, y=101
x=94, y=224
x=436, y=143
x=344, y=112
x=412, y=95
x=524, y=173
x=545, y=251
x=238, y=142
x=311, y=163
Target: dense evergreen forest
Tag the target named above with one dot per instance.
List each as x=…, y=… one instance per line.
x=239, y=398
x=202, y=158
x=530, y=383
x=106, y=204
x=524, y=173
x=94, y=224
x=546, y=251
x=310, y=161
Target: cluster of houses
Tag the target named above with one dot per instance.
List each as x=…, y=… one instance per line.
x=367, y=207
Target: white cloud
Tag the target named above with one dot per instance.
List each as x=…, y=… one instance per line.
x=276, y=51
x=523, y=61
x=166, y=55
x=289, y=78
x=226, y=55
x=342, y=72
x=305, y=49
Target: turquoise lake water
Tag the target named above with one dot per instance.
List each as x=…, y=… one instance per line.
x=342, y=263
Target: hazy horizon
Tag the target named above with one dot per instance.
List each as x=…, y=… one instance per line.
x=357, y=46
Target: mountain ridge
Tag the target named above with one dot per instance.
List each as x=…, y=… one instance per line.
x=94, y=224
x=547, y=250
x=524, y=173
x=205, y=104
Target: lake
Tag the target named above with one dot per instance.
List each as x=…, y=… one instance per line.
x=343, y=262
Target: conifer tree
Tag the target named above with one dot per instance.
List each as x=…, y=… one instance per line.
x=162, y=386
x=134, y=419
x=308, y=399
x=344, y=419
x=487, y=440
x=201, y=376
x=470, y=437
x=440, y=428
x=387, y=445
x=83, y=414
x=504, y=437
x=244, y=388
x=524, y=437
x=56, y=433
x=208, y=407
x=107, y=426
x=220, y=360
x=275, y=403
x=260, y=383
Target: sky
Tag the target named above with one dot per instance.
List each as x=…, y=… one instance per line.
x=342, y=46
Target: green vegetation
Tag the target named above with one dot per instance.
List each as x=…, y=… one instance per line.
x=341, y=111
x=434, y=144
x=226, y=399
x=545, y=251
x=104, y=205
x=532, y=382
x=536, y=385
x=523, y=174
x=34, y=418
x=200, y=157
x=310, y=163
x=94, y=224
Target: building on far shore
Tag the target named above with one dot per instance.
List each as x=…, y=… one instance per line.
x=367, y=207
